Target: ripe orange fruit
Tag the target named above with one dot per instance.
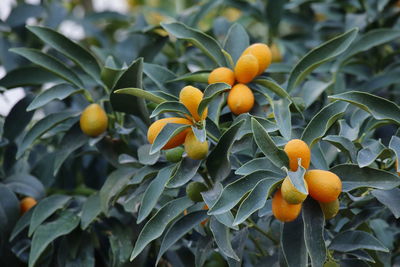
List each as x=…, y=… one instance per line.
x=296, y=149
x=246, y=68
x=290, y=192
x=26, y=204
x=240, y=99
x=282, y=210
x=194, y=148
x=191, y=97
x=330, y=209
x=222, y=75
x=324, y=186
x=157, y=126
x=94, y=120
x=262, y=54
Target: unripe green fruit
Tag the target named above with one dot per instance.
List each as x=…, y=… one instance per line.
x=174, y=154
x=330, y=209
x=194, y=189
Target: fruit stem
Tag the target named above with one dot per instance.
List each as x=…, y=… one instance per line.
x=88, y=96
x=258, y=245
x=256, y=227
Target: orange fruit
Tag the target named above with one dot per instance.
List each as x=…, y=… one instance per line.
x=262, y=54
x=330, y=209
x=191, y=97
x=156, y=127
x=296, y=149
x=26, y=204
x=93, y=120
x=290, y=193
x=194, y=148
x=240, y=99
x=324, y=186
x=222, y=75
x=282, y=210
x=246, y=68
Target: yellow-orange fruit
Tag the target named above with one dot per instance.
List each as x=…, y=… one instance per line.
x=276, y=55
x=291, y=194
x=330, y=209
x=296, y=149
x=93, y=120
x=246, y=68
x=194, y=148
x=26, y=204
x=156, y=127
x=240, y=99
x=222, y=75
x=324, y=186
x=262, y=54
x=282, y=210
x=191, y=97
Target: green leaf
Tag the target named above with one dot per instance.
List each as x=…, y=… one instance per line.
x=312, y=90
x=293, y=245
x=73, y=51
x=161, y=76
x=45, y=234
x=314, y=221
x=319, y=55
x=157, y=224
x=222, y=238
x=210, y=93
x=254, y=201
x=389, y=198
x=40, y=128
x=27, y=76
x=379, y=107
x=59, y=91
x=179, y=229
x=344, y=144
x=90, y=210
x=45, y=208
x=283, y=117
x=49, y=63
x=218, y=163
x=170, y=106
x=186, y=170
x=273, y=12
x=26, y=185
x=10, y=208
x=234, y=191
x=354, y=239
x=204, y=42
x=115, y=183
x=200, y=76
x=371, y=151
x=354, y=177
x=21, y=224
x=12, y=130
x=142, y=94
x=153, y=192
x=277, y=156
x=395, y=146
x=259, y=164
x=322, y=121
x=168, y=131
x=236, y=41
x=145, y=157
x=110, y=73
x=131, y=77
x=273, y=86
x=371, y=39
x=297, y=179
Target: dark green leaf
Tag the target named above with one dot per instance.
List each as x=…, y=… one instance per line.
x=142, y=94
x=354, y=239
x=22, y=223
x=354, y=177
x=210, y=93
x=389, y=198
x=283, y=117
x=293, y=245
x=314, y=221
x=267, y=146
x=322, y=121
x=297, y=179
x=318, y=56
x=274, y=11
x=236, y=41
x=344, y=144
x=27, y=76
x=372, y=150
x=46, y=233
x=395, y=146
x=145, y=157
x=90, y=210
x=9, y=206
x=49, y=63
x=273, y=86
x=157, y=224
x=59, y=91
x=187, y=169
x=26, y=185
x=170, y=106
x=222, y=238
x=168, y=131
x=259, y=164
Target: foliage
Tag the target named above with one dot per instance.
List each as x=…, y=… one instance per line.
x=116, y=200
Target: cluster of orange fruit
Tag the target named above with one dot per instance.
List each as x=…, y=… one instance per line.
x=323, y=186
x=190, y=97
x=253, y=62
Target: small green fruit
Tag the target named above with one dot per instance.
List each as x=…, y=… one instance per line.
x=194, y=189
x=174, y=154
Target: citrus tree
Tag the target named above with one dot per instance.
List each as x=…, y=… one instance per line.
x=266, y=135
